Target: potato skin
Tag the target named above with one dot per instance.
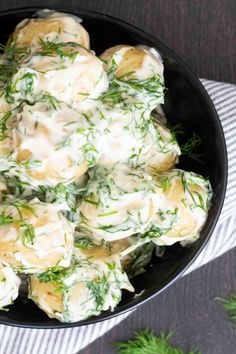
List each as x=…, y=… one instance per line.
x=60, y=28
x=132, y=62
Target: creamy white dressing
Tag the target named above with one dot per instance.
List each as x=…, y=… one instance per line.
x=95, y=270
x=181, y=205
x=9, y=285
x=59, y=157
x=68, y=79
x=50, y=245
x=117, y=203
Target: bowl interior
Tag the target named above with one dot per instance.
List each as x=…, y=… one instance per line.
x=186, y=102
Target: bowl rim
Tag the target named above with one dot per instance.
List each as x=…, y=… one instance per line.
x=193, y=78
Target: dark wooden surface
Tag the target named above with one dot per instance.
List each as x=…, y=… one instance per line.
x=203, y=33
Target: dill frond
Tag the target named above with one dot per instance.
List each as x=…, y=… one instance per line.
x=145, y=342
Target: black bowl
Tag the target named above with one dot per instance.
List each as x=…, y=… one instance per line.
x=187, y=103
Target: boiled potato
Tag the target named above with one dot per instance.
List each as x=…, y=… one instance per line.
x=45, y=158
x=181, y=205
x=160, y=149
x=133, y=62
x=135, y=138
x=117, y=203
x=34, y=236
x=9, y=285
x=67, y=72
x=56, y=27
x=91, y=286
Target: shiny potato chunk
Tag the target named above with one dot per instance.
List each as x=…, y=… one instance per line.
x=117, y=203
x=132, y=62
x=46, y=158
x=181, y=206
x=93, y=284
x=56, y=28
x=34, y=236
x=69, y=73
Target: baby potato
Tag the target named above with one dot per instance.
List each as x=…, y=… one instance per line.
x=56, y=27
x=67, y=72
x=117, y=202
x=135, y=138
x=93, y=284
x=181, y=205
x=130, y=62
x=34, y=236
x=9, y=285
x=45, y=158
x=160, y=149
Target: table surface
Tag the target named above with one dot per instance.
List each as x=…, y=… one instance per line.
x=203, y=33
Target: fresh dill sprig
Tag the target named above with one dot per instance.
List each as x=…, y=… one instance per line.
x=141, y=257
x=188, y=149
x=177, y=129
x=229, y=304
x=12, y=55
x=99, y=289
x=13, y=50
x=145, y=342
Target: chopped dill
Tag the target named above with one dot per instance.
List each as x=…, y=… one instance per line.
x=164, y=182
x=28, y=235
x=127, y=93
x=55, y=273
x=99, y=289
x=4, y=120
x=5, y=219
x=84, y=243
x=63, y=50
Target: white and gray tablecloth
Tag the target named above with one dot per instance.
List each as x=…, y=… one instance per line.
x=72, y=340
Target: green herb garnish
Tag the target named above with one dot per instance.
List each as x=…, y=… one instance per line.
x=49, y=48
x=188, y=149
x=99, y=289
x=229, y=304
x=145, y=342
x=28, y=236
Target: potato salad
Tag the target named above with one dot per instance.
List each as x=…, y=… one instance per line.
x=89, y=186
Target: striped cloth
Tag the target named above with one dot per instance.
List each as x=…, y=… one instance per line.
x=72, y=340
